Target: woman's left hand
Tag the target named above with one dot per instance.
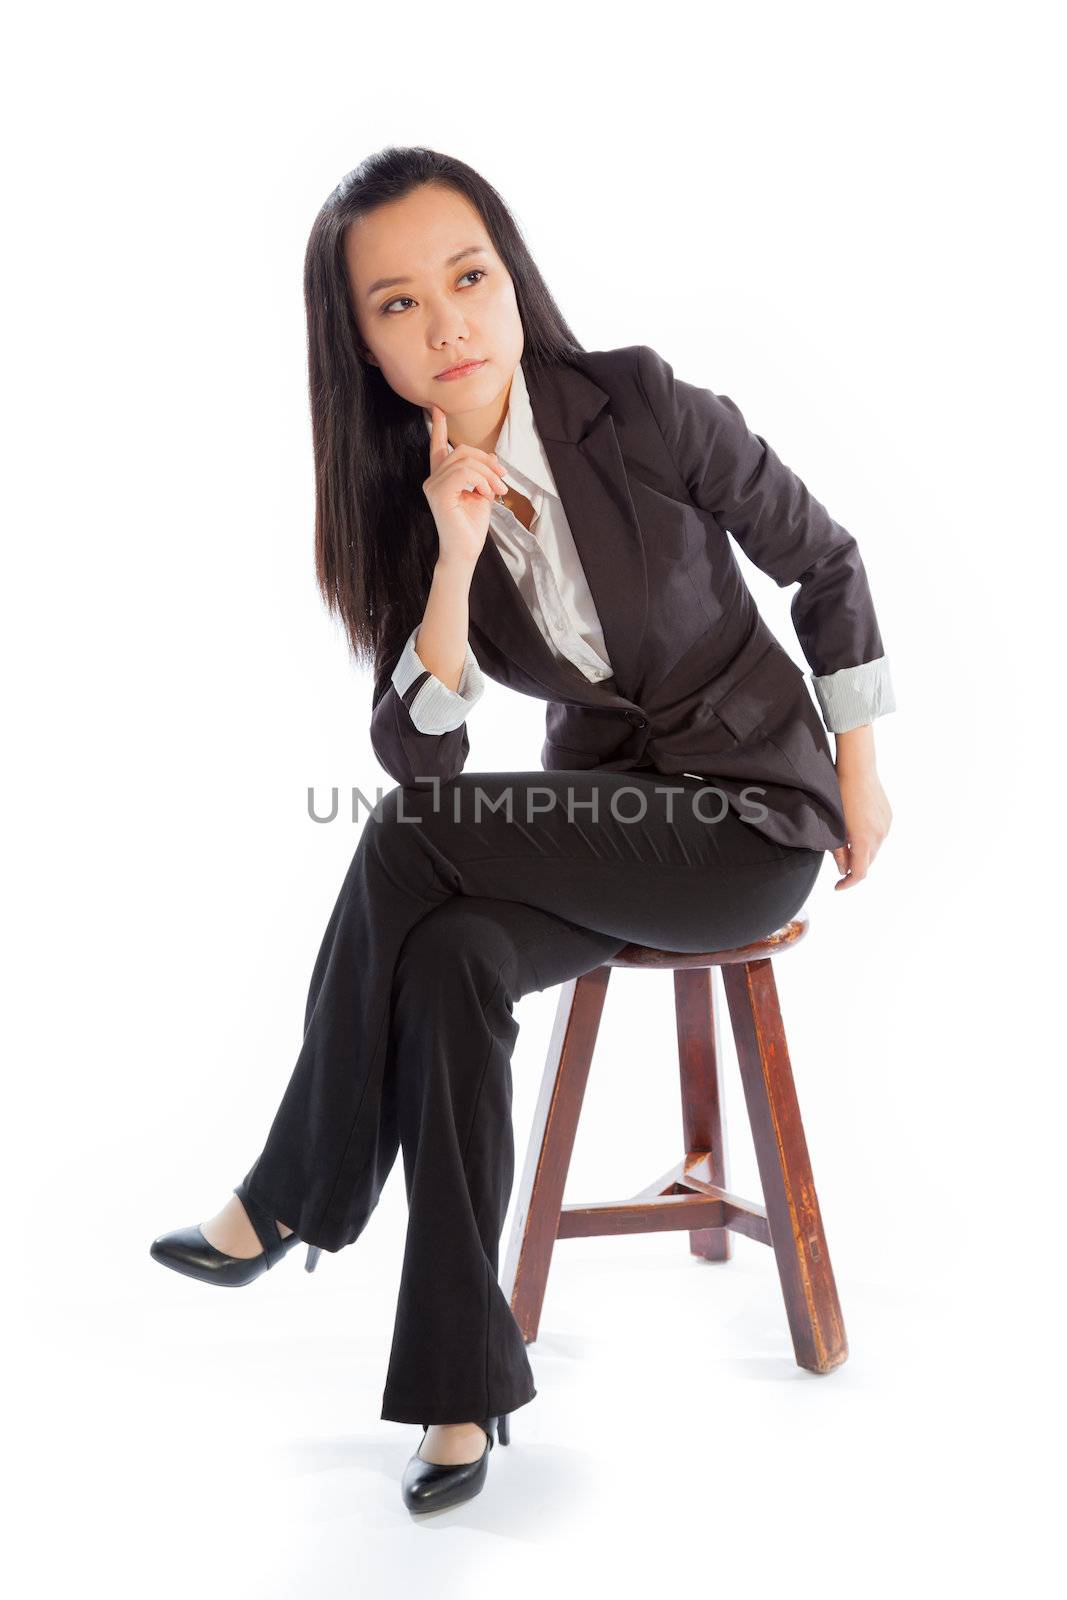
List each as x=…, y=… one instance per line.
x=867, y=810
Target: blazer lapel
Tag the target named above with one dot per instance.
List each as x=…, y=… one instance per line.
x=579, y=439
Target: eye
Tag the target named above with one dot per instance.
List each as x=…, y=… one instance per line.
x=475, y=272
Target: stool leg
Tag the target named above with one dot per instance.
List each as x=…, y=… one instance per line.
x=807, y=1278
x=700, y=1061
x=539, y=1197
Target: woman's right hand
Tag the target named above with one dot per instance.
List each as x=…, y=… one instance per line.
x=461, y=515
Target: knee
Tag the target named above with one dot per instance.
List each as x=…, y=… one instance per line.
x=397, y=807
x=394, y=822
x=455, y=946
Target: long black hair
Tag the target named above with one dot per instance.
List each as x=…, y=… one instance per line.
x=375, y=537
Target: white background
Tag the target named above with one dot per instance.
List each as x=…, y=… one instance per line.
x=846, y=218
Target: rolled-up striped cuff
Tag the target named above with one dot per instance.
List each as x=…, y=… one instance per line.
x=854, y=696
x=436, y=708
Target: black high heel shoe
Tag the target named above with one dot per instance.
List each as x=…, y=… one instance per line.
x=186, y=1250
x=432, y=1486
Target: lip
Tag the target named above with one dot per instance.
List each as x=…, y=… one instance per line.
x=459, y=372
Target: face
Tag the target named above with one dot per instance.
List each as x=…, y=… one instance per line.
x=447, y=298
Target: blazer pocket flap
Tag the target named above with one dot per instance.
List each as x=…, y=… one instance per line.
x=772, y=679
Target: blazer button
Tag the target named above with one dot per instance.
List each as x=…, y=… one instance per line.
x=636, y=718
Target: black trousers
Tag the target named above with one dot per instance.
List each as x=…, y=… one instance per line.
x=459, y=900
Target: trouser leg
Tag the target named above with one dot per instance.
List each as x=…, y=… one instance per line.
x=458, y=1354
x=646, y=866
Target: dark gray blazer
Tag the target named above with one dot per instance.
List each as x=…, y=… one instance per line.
x=653, y=473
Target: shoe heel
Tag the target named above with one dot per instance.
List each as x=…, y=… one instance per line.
x=503, y=1428
x=314, y=1252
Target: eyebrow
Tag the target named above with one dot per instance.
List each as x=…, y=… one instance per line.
x=390, y=283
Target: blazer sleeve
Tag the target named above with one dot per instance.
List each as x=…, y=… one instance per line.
x=733, y=473
x=418, y=727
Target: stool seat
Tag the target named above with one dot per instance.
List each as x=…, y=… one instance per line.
x=692, y=1194
x=645, y=955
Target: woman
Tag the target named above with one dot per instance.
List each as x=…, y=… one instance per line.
x=479, y=476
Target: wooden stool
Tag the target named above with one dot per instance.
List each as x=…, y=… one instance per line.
x=693, y=1194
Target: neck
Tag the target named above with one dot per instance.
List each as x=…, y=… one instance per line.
x=480, y=428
